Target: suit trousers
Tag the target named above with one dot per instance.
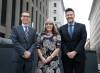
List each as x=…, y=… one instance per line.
x=72, y=66
x=24, y=67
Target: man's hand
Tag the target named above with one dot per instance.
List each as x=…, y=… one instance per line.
x=27, y=54
x=72, y=54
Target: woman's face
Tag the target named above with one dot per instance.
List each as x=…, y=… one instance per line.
x=49, y=27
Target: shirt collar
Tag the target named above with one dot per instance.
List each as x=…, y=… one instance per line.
x=24, y=25
x=73, y=23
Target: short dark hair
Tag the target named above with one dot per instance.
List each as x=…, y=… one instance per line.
x=69, y=9
x=25, y=12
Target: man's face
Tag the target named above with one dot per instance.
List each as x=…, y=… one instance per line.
x=25, y=18
x=70, y=16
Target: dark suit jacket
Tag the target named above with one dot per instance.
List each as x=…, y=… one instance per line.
x=21, y=43
x=77, y=41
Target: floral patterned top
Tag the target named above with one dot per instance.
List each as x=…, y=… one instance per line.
x=47, y=44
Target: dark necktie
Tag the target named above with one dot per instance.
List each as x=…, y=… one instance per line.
x=26, y=32
x=71, y=30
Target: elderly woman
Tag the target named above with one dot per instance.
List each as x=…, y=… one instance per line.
x=48, y=47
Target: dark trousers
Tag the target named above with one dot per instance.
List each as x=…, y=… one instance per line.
x=72, y=66
x=24, y=67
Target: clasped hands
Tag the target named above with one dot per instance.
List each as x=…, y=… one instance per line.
x=71, y=54
x=27, y=55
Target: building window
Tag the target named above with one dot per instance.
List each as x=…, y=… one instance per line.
x=32, y=14
x=32, y=22
x=3, y=13
x=54, y=11
x=54, y=18
x=40, y=23
x=43, y=9
x=46, y=2
x=43, y=21
x=27, y=5
x=13, y=13
x=46, y=13
x=2, y=35
x=21, y=8
x=55, y=5
x=36, y=19
x=40, y=5
x=36, y=2
x=33, y=1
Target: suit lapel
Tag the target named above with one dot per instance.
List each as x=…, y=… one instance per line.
x=75, y=30
x=66, y=32
x=30, y=31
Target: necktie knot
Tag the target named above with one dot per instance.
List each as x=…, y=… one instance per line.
x=70, y=25
x=26, y=28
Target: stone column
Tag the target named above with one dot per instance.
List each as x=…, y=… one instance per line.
x=8, y=17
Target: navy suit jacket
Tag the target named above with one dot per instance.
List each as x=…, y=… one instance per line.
x=77, y=41
x=20, y=41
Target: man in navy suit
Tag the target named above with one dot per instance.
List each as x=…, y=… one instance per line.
x=73, y=37
x=24, y=38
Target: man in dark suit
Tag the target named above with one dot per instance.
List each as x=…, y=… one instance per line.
x=73, y=37
x=24, y=38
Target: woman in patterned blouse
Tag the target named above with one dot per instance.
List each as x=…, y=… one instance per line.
x=48, y=48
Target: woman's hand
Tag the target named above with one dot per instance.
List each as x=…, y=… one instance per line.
x=49, y=58
x=43, y=60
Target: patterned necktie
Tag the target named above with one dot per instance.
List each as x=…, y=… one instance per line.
x=26, y=32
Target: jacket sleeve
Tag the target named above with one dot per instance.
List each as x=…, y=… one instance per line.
x=80, y=46
x=14, y=38
x=63, y=45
